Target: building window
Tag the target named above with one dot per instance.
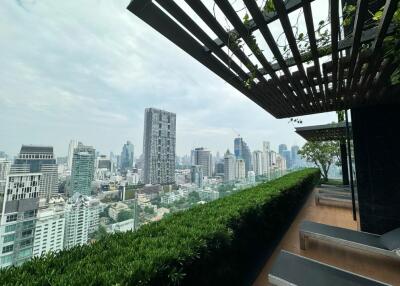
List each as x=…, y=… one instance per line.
x=10, y=228
x=26, y=233
x=12, y=217
x=25, y=253
x=29, y=214
x=8, y=248
x=6, y=259
x=9, y=238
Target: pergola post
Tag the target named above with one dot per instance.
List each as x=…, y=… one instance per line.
x=376, y=137
x=343, y=159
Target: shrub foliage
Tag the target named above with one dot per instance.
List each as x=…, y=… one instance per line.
x=211, y=244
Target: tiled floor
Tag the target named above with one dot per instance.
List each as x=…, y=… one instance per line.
x=375, y=266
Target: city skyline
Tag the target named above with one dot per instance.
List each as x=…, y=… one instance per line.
x=104, y=85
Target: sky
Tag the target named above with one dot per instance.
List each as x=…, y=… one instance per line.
x=86, y=70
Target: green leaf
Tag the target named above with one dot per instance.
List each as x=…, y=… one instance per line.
x=269, y=6
x=377, y=16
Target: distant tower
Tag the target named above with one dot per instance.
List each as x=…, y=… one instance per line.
x=258, y=163
x=266, y=157
x=202, y=157
x=159, y=146
x=81, y=219
x=281, y=148
x=295, y=155
x=242, y=151
x=288, y=158
x=127, y=156
x=72, y=145
x=82, y=173
x=229, y=167
x=196, y=173
x=240, y=173
x=40, y=159
x=18, y=215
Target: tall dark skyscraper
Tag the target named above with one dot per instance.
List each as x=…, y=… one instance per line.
x=159, y=146
x=127, y=156
x=40, y=159
x=242, y=151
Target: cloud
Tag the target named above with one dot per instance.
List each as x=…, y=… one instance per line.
x=88, y=69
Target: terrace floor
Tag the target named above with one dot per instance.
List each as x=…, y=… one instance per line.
x=374, y=266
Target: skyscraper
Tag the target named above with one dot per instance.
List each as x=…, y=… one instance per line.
x=40, y=159
x=258, y=163
x=240, y=166
x=159, y=146
x=196, y=173
x=266, y=157
x=49, y=228
x=229, y=167
x=127, y=156
x=5, y=166
x=18, y=215
x=242, y=151
x=81, y=219
x=219, y=168
x=295, y=155
x=281, y=148
x=202, y=157
x=82, y=173
x=72, y=145
x=287, y=154
x=280, y=163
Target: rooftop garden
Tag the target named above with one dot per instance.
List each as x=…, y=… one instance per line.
x=208, y=244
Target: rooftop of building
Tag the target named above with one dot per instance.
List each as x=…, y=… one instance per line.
x=36, y=149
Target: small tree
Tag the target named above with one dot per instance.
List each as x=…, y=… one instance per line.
x=322, y=154
x=125, y=215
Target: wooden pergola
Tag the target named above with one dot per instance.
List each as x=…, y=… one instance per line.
x=353, y=76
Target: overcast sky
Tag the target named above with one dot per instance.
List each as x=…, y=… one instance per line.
x=86, y=70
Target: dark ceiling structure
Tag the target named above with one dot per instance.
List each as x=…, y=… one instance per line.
x=353, y=76
x=326, y=132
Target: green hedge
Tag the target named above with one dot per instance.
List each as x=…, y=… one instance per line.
x=211, y=244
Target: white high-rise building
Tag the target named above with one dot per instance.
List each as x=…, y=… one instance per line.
x=72, y=145
x=251, y=177
x=81, y=219
x=273, y=156
x=280, y=162
x=266, y=157
x=258, y=162
x=159, y=146
x=50, y=226
x=240, y=169
x=19, y=205
x=229, y=167
x=5, y=166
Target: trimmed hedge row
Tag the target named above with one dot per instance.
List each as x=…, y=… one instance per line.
x=211, y=244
